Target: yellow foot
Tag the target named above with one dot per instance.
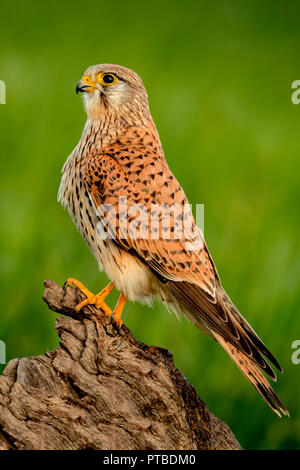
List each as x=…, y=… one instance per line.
x=98, y=300
x=117, y=313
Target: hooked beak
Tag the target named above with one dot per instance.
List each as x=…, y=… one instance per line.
x=83, y=87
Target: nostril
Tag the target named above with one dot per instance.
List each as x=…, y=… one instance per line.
x=87, y=80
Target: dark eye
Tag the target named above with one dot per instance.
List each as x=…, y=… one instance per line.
x=107, y=79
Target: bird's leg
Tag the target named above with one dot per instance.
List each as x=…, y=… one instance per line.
x=117, y=313
x=98, y=300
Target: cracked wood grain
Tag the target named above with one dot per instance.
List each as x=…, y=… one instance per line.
x=102, y=390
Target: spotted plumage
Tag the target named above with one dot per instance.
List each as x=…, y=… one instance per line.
x=119, y=159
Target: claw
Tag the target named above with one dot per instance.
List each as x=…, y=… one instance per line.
x=118, y=324
x=117, y=328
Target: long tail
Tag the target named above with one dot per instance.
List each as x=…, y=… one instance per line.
x=219, y=318
x=252, y=372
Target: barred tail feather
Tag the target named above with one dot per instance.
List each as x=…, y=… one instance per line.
x=252, y=372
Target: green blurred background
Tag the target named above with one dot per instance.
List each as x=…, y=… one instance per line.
x=219, y=80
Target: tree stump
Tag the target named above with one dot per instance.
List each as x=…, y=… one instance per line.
x=102, y=390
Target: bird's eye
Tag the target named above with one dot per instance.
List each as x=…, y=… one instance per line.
x=107, y=79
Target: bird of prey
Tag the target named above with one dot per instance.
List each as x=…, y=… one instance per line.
x=118, y=162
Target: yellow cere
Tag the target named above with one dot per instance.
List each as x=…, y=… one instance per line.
x=86, y=79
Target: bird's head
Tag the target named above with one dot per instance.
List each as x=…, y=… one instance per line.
x=112, y=89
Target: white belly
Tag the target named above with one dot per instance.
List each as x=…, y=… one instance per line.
x=129, y=274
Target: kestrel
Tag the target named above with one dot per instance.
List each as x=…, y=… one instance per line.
x=112, y=184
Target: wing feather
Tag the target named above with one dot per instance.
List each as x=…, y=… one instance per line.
x=189, y=274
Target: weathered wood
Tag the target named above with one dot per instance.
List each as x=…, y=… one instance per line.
x=102, y=390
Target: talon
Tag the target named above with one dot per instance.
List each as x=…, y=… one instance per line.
x=98, y=300
x=118, y=324
x=117, y=329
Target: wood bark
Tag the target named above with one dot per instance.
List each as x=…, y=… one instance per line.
x=102, y=389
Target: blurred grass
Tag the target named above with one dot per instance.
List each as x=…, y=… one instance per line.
x=219, y=80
